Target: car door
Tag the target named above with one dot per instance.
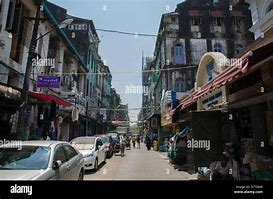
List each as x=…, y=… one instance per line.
x=61, y=173
x=101, y=151
x=73, y=161
x=97, y=154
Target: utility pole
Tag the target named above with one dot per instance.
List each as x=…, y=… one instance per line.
x=24, y=93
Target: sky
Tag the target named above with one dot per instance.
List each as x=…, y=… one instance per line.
x=123, y=53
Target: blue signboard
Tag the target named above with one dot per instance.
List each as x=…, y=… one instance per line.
x=48, y=82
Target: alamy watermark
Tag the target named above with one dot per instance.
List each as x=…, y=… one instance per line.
x=230, y=62
x=42, y=62
x=13, y=144
x=198, y=144
x=133, y=89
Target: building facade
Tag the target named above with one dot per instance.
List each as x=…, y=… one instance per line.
x=184, y=36
x=67, y=88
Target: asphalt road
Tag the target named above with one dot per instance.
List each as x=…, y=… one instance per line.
x=137, y=164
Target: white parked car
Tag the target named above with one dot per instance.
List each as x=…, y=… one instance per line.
x=93, y=150
x=41, y=160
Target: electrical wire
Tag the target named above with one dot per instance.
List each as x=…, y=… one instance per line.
x=144, y=71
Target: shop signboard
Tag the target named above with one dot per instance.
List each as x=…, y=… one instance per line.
x=209, y=68
x=213, y=99
x=48, y=82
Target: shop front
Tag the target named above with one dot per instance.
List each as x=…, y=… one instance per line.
x=9, y=106
x=207, y=107
x=251, y=111
x=46, y=118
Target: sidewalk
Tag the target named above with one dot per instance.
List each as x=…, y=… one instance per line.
x=186, y=167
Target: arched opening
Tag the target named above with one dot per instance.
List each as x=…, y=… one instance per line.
x=180, y=85
x=217, y=48
x=239, y=48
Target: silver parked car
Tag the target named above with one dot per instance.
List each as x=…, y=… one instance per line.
x=41, y=160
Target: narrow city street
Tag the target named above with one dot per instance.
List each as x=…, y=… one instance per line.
x=138, y=164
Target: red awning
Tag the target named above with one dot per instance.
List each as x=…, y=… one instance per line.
x=195, y=13
x=217, y=13
x=228, y=75
x=48, y=98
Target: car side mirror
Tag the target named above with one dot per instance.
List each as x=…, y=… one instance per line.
x=57, y=164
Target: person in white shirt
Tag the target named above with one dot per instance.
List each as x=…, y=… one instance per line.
x=222, y=169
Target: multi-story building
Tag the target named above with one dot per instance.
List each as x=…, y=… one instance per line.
x=84, y=36
x=106, y=98
x=184, y=36
x=67, y=57
x=55, y=57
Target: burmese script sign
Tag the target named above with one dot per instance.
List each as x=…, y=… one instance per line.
x=48, y=82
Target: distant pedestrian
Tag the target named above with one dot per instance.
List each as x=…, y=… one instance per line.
x=122, y=147
x=148, y=143
x=138, y=141
x=134, y=141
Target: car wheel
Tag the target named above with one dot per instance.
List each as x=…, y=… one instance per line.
x=108, y=154
x=104, y=160
x=81, y=175
x=96, y=165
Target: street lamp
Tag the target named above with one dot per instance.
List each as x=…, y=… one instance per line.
x=32, y=47
x=62, y=25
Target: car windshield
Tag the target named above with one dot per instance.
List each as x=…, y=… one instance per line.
x=84, y=143
x=105, y=139
x=28, y=158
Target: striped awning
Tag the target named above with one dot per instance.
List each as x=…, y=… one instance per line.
x=228, y=75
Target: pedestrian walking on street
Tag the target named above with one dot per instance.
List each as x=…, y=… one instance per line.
x=134, y=141
x=122, y=147
x=148, y=143
x=138, y=141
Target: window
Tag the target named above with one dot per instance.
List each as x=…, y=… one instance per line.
x=87, y=87
x=28, y=158
x=217, y=21
x=173, y=19
x=239, y=48
x=10, y=15
x=180, y=85
x=195, y=21
x=178, y=54
x=98, y=143
x=269, y=8
x=70, y=152
x=238, y=25
x=217, y=48
x=0, y=11
x=90, y=93
x=254, y=13
x=60, y=155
